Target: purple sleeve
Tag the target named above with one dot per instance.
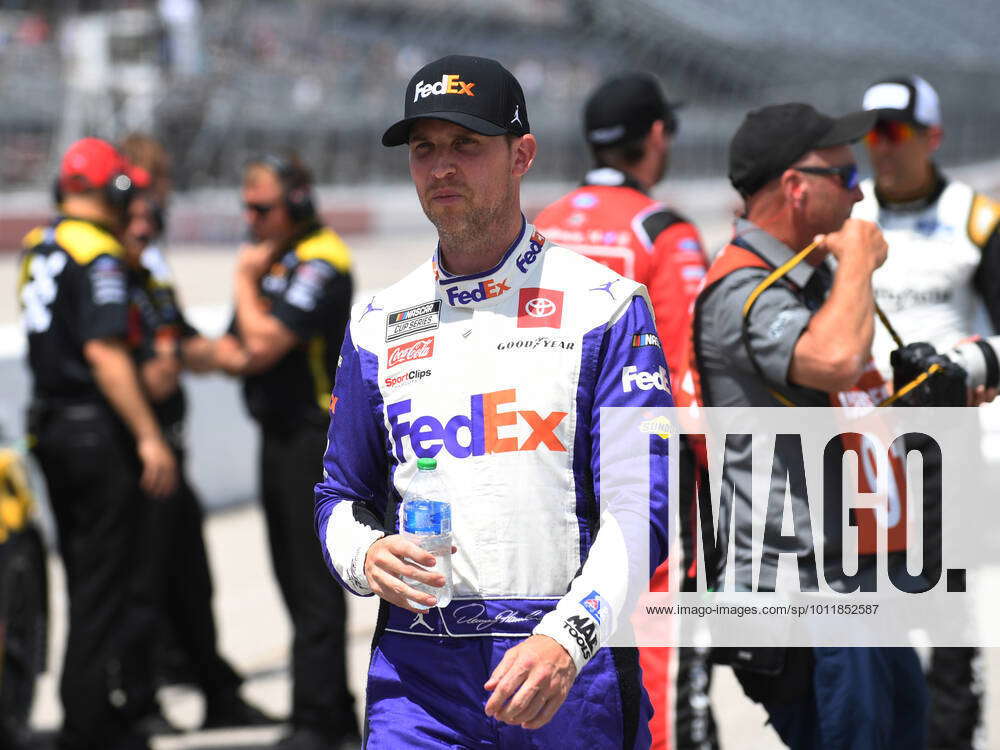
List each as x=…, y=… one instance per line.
x=632, y=371
x=352, y=498
x=623, y=367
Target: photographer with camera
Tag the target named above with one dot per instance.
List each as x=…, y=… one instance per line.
x=801, y=336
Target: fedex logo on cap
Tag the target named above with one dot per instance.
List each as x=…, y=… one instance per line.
x=449, y=84
x=483, y=291
x=486, y=429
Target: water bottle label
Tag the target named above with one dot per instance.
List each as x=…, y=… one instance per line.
x=427, y=517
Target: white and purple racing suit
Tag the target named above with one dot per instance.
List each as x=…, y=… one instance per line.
x=500, y=376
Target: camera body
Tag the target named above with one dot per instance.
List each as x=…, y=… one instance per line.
x=944, y=388
x=968, y=365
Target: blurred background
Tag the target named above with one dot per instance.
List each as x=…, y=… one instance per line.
x=218, y=81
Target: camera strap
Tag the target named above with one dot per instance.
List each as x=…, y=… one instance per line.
x=873, y=390
x=777, y=274
x=769, y=281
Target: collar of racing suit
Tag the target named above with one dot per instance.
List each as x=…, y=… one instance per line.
x=488, y=288
x=611, y=177
x=919, y=204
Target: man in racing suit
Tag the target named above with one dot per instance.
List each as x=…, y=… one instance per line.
x=940, y=284
x=611, y=218
x=173, y=570
x=494, y=357
x=943, y=270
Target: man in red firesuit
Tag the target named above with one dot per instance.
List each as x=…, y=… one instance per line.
x=611, y=218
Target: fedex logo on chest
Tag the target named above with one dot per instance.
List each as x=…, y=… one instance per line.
x=491, y=426
x=483, y=291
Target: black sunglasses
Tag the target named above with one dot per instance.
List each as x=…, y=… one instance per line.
x=261, y=209
x=848, y=174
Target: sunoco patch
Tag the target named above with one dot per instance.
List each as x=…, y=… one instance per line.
x=422, y=317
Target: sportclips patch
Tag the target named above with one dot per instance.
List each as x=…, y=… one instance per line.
x=422, y=317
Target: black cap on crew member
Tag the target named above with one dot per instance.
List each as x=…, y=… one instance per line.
x=773, y=138
x=623, y=108
x=475, y=92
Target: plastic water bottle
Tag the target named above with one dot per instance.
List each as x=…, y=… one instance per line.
x=425, y=518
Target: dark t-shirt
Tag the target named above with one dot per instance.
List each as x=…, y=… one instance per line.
x=308, y=289
x=72, y=289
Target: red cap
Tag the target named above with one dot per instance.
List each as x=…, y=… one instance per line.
x=92, y=163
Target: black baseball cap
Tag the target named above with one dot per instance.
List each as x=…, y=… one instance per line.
x=475, y=92
x=773, y=138
x=623, y=108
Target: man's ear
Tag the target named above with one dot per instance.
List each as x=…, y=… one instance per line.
x=524, y=154
x=656, y=136
x=793, y=187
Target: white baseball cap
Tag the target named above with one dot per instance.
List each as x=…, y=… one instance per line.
x=907, y=99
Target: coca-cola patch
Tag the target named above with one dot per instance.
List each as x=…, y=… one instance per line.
x=419, y=349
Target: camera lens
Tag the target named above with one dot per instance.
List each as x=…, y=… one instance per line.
x=980, y=360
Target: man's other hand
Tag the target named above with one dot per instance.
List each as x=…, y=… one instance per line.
x=254, y=259
x=981, y=395
x=159, y=469
x=857, y=240
x=530, y=683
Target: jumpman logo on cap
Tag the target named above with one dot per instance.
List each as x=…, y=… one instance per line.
x=517, y=116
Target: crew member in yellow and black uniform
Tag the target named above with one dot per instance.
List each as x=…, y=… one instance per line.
x=96, y=437
x=172, y=576
x=293, y=293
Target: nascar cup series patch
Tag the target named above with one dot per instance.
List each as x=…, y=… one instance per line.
x=423, y=317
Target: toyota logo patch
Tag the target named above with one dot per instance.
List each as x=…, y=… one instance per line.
x=539, y=308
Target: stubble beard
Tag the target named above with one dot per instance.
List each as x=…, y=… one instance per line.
x=475, y=231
